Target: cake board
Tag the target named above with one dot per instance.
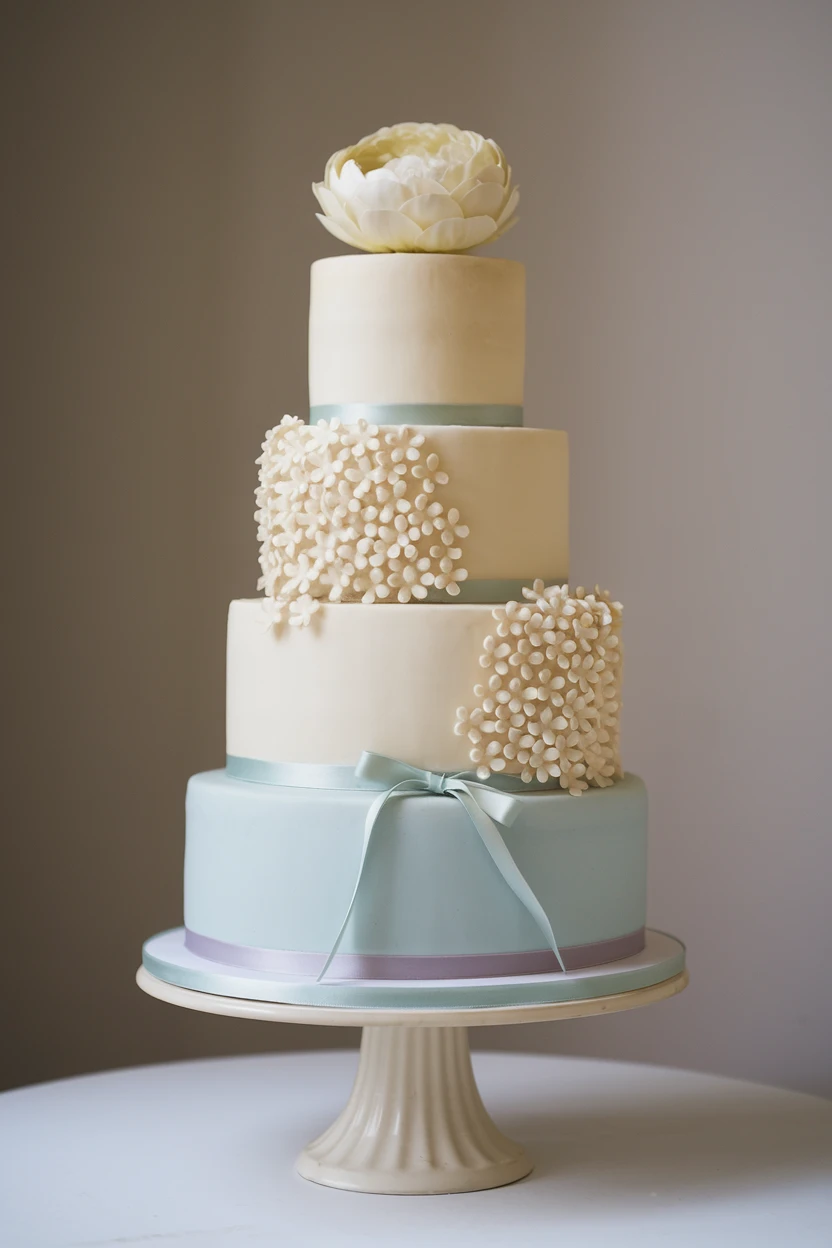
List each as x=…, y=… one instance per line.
x=414, y=1123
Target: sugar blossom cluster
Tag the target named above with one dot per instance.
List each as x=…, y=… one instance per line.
x=349, y=512
x=550, y=706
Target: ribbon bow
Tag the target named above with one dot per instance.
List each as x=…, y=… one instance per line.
x=485, y=807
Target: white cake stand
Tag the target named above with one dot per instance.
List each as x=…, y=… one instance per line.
x=414, y=1123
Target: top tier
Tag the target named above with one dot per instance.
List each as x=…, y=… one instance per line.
x=418, y=329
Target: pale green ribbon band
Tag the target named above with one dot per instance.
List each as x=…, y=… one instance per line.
x=493, y=590
x=497, y=590
x=337, y=776
x=490, y=415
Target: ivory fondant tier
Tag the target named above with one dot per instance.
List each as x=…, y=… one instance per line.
x=387, y=678
x=510, y=488
x=271, y=868
x=438, y=329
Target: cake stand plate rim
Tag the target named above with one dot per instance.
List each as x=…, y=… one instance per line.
x=171, y=973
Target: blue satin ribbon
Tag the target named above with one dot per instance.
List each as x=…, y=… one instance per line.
x=485, y=807
x=491, y=415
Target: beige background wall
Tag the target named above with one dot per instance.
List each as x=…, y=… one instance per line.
x=675, y=160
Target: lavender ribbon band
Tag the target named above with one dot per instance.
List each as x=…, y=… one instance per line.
x=369, y=966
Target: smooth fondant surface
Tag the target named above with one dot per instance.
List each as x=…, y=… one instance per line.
x=274, y=867
x=416, y=329
x=510, y=487
x=386, y=677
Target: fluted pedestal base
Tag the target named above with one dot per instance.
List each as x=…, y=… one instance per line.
x=414, y=1123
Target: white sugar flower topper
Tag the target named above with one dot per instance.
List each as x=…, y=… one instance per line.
x=418, y=187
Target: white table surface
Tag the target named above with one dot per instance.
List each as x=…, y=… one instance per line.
x=200, y=1155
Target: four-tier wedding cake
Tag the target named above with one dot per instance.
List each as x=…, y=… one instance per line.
x=423, y=781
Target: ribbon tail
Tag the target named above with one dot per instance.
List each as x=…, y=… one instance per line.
x=369, y=826
x=507, y=867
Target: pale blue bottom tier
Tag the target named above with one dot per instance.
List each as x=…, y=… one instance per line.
x=272, y=868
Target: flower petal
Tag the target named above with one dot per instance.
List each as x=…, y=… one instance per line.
x=481, y=159
x=380, y=194
x=412, y=164
x=459, y=192
x=503, y=229
x=493, y=173
x=510, y=207
x=332, y=206
x=389, y=229
x=334, y=166
x=383, y=174
x=453, y=176
x=422, y=185
x=456, y=234
x=426, y=209
x=340, y=231
x=349, y=180
x=499, y=154
x=485, y=200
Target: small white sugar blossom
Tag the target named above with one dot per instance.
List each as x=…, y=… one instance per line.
x=302, y=609
x=550, y=707
x=418, y=187
x=350, y=512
